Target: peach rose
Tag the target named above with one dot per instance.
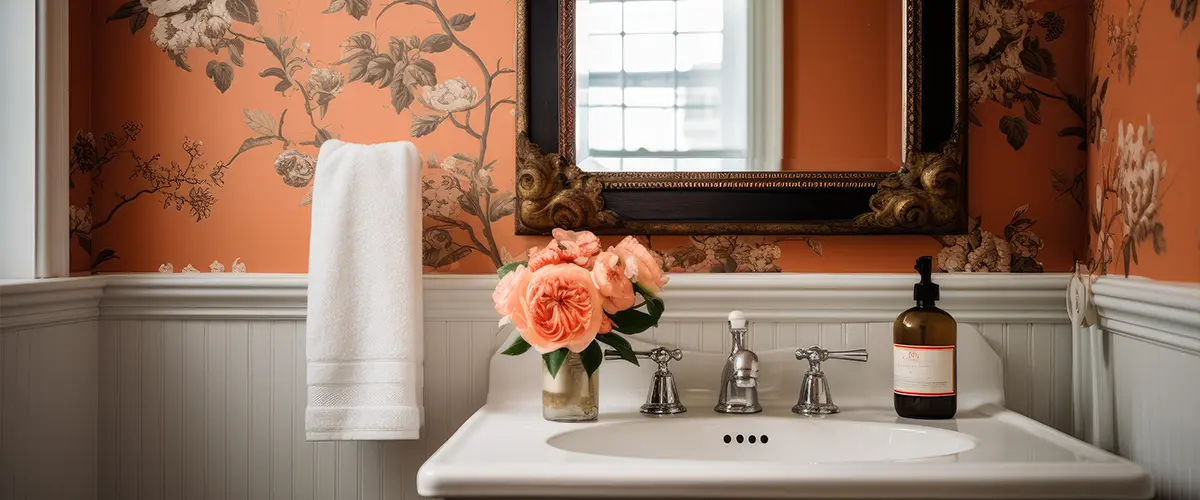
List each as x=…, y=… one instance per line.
x=649, y=273
x=560, y=307
x=507, y=295
x=606, y=325
x=612, y=276
x=576, y=247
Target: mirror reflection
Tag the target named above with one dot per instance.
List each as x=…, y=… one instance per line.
x=739, y=85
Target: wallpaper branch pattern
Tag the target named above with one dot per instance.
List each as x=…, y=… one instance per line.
x=1142, y=66
x=266, y=82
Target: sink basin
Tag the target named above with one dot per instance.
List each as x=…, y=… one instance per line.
x=769, y=439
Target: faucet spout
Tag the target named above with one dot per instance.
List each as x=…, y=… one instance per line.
x=738, y=392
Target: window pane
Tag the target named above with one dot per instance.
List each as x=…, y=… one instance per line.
x=649, y=52
x=604, y=53
x=650, y=17
x=650, y=96
x=603, y=96
x=698, y=96
x=649, y=128
x=710, y=164
x=648, y=165
x=599, y=17
x=699, y=51
x=699, y=128
x=701, y=15
x=604, y=128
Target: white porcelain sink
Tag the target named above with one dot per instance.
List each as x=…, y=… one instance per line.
x=506, y=449
x=768, y=439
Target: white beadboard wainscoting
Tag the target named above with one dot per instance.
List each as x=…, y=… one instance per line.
x=48, y=389
x=200, y=378
x=1152, y=332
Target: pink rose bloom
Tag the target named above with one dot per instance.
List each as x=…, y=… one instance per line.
x=612, y=277
x=561, y=307
x=649, y=274
x=574, y=247
x=507, y=295
x=581, y=246
x=606, y=325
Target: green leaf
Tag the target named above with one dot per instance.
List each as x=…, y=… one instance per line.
x=591, y=357
x=245, y=11
x=619, y=344
x=437, y=42
x=460, y=22
x=508, y=268
x=654, y=305
x=221, y=74
x=518, y=347
x=554, y=360
x=632, y=322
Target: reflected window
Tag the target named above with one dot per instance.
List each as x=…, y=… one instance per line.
x=661, y=85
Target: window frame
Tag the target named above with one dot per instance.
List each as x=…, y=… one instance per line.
x=34, y=175
x=764, y=98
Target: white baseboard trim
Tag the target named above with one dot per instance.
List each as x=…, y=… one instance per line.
x=1006, y=298
x=1162, y=313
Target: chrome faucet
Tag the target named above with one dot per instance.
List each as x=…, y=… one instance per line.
x=739, y=380
x=663, y=397
x=815, y=398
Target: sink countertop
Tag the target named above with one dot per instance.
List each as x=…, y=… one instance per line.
x=506, y=449
x=503, y=451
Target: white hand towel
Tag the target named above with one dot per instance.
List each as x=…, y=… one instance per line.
x=364, y=338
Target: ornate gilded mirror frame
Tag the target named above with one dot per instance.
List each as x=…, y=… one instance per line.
x=927, y=195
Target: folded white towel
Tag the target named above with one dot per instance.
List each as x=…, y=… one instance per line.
x=364, y=338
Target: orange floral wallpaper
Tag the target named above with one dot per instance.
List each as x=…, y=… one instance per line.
x=1143, y=172
x=201, y=118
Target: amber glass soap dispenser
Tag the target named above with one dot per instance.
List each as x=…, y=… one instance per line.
x=925, y=369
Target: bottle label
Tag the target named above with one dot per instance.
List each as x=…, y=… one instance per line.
x=923, y=370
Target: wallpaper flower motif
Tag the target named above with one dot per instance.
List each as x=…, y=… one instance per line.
x=177, y=185
x=981, y=251
x=1004, y=58
x=727, y=254
x=1132, y=183
x=295, y=78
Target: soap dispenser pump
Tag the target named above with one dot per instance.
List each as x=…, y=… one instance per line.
x=925, y=360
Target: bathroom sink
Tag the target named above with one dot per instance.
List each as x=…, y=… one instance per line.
x=768, y=439
x=507, y=450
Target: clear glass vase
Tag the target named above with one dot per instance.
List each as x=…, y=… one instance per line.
x=572, y=396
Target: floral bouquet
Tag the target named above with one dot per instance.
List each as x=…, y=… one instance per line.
x=571, y=296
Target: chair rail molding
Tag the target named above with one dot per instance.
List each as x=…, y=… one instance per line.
x=1161, y=313
x=689, y=297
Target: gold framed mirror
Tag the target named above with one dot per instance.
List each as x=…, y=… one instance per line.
x=922, y=192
